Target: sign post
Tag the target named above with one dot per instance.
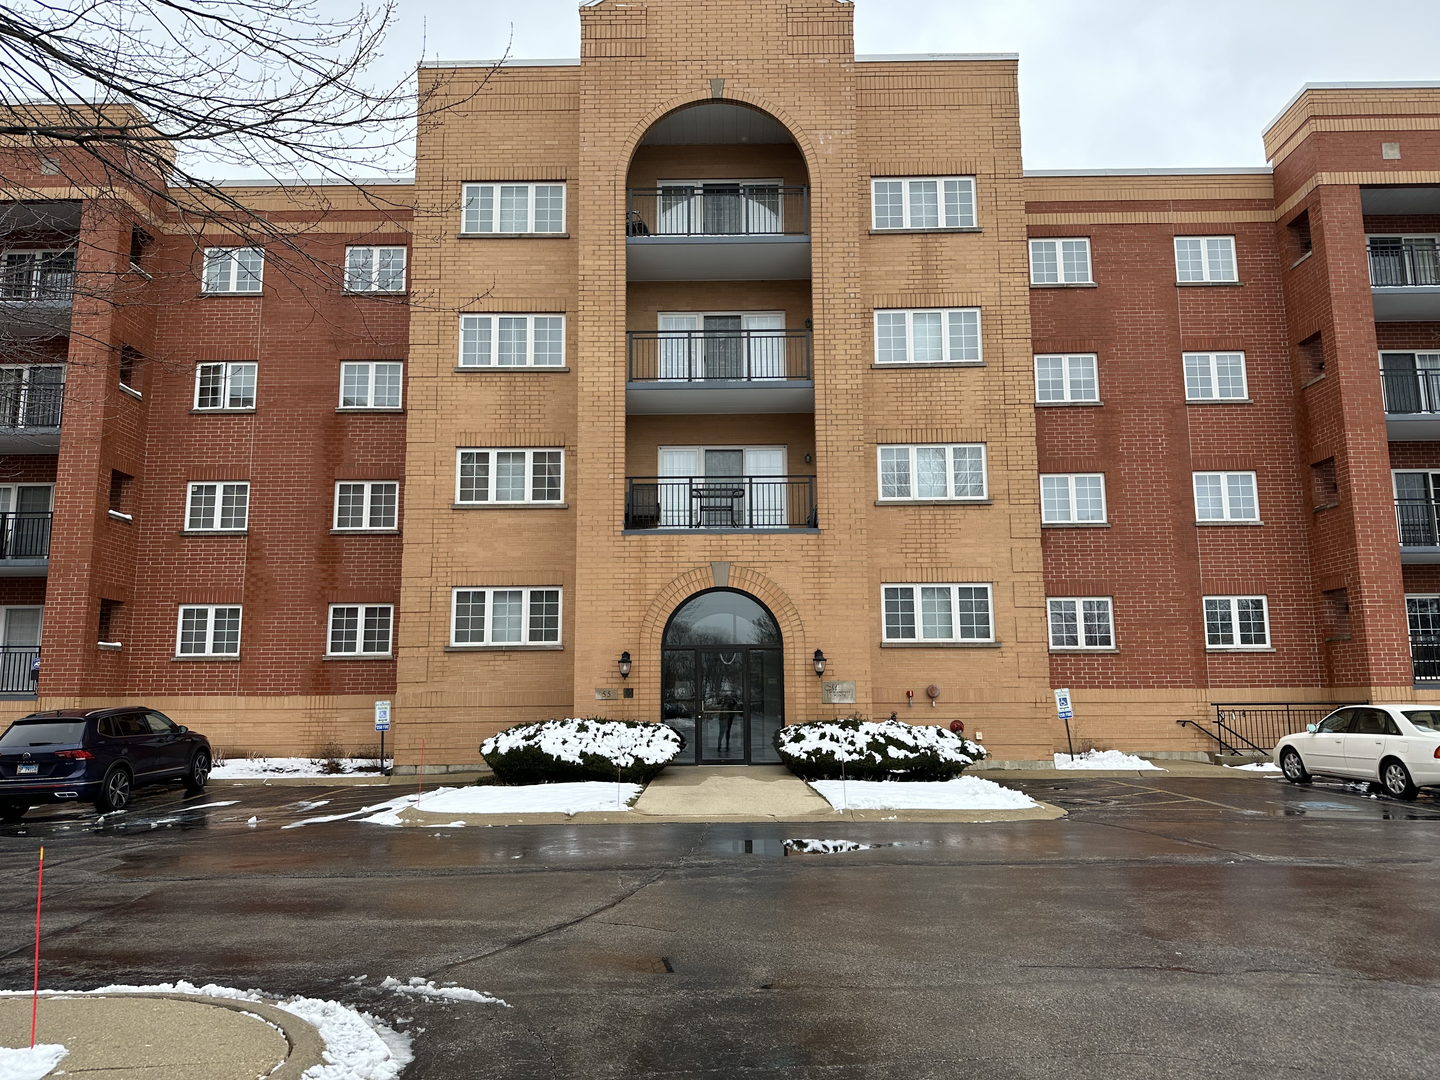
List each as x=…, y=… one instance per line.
x=1062, y=707
x=382, y=725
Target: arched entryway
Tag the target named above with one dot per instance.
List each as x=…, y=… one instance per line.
x=722, y=678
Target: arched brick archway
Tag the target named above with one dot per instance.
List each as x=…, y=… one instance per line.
x=743, y=579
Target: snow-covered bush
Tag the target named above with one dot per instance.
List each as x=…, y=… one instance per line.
x=559, y=751
x=888, y=750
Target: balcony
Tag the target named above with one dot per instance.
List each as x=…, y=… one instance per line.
x=1405, y=278
x=720, y=503
x=719, y=371
x=24, y=544
x=735, y=231
x=17, y=664
x=31, y=401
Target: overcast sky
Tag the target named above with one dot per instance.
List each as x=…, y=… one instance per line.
x=1103, y=83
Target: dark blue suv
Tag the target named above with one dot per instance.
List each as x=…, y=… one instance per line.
x=98, y=755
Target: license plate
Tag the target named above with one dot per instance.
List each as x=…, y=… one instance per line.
x=27, y=770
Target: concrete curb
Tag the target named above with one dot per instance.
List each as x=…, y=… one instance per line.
x=1043, y=812
x=361, y=780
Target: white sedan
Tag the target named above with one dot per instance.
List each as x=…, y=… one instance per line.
x=1397, y=745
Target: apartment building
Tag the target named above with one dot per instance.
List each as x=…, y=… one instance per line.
x=727, y=378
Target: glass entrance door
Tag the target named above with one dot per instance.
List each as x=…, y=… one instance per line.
x=721, y=732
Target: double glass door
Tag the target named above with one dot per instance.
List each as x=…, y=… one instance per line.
x=747, y=345
x=722, y=487
x=727, y=702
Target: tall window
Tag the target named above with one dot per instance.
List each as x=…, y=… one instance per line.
x=37, y=275
x=1060, y=262
x=923, y=202
x=218, y=507
x=1236, y=622
x=375, y=269
x=360, y=629
x=1225, y=496
x=937, y=613
x=225, y=386
x=1205, y=258
x=234, y=270
x=513, y=208
x=1081, y=622
x=1066, y=378
x=512, y=341
x=1072, y=498
x=509, y=476
x=367, y=504
x=928, y=337
x=932, y=472
x=510, y=616
x=1215, y=376
x=208, y=630
x=370, y=385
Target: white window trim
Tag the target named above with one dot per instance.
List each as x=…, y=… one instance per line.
x=232, y=256
x=1235, y=623
x=529, y=452
x=949, y=449
x=530, y=185
x=370, y=486
x=374, y=284
x=1207, y=270
x=220, y=486
x=1069, y=398
x=1080, y=624
x=1060, y=260
x=918, y=639
x=1225, y=497
x=370, y=382
x=940, y=181
x=910, y=314
x=529, y=318
x=359, y=652
x=226, y=376
x=525, y=642
x=1215, y=398
x=209, y=652
x=1070, y=478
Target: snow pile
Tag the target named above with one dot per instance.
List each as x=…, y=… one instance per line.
x=30, y=1062
x=822, y=847
x=426, y=988
x=839, y=749
x=1103, y=759
x=554, y=751
x=574, y=798
x=303, y=768
x=962, y=793
x=1257, y=766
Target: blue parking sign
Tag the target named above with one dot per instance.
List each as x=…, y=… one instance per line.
x=382, y=716
x=1062, y=704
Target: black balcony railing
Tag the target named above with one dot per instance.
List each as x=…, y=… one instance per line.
x=720, y=502
x=1425, y=657
x=1419, y=521
x=33, y=404
x=44, y=276
x=719, y=210
x=695, y=355
x=17, y=664
x=1411, y=390
x=25, y=535
x=1404, y=262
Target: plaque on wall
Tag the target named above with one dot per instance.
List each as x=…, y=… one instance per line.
x=837, y=693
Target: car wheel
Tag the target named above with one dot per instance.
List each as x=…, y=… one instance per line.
x=1395, y=778
x=12, y=814
x=198, y=773
x=114, y=790
x=1293, y=768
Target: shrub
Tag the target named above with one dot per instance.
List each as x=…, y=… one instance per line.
x=857, y=749
x=560, y=751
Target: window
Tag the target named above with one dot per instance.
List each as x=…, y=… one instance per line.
x=512, y=341
x=949, y=335
x=218, y=507
x=208, y=631
x=1205, y=258
x=233, y=270
x=1072, y=498
x=375, y=269
x=945, y=613
x=1066, y=378
x=933, y=472
x=367, y=504
x=1081, y=622
x=225, y=386
x=509, y=476
x=370, y=386
x=1236, y=622
x=360, y=629
x=38, y=275
x=934, y=202
x=513, y=208
x=1215, y=377
x=1060, y=262
x=1228, y=496
x=505, y=617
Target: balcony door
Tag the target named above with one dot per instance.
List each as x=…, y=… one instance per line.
x=25, y=512
x=19, y=645
x=722, y=487
x=722, y=345
x=1404, y=260
x=1423, y=614
x=1415, y=508
x=720, y=207
x=1412, y=381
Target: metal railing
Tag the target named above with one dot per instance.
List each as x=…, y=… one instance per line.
x=702, y=355
x=29, y=405
x=16, y=664
x=719, y=210
x=1405, y=262
x=1248, y=728
x=1425, y=658
x=1411, y=391
x=1419, y=522
x=720, y=502
x=25, y=535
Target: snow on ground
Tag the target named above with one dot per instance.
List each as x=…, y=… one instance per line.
x=1103, y=759
x=962, y=793
x=30, y=1062
x=823, y=847
x=1257, y=766
x=584, y=797
x=305, y=768
x=426, y=988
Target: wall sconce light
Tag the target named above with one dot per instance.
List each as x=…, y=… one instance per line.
x=819, y=663
x=625, y=665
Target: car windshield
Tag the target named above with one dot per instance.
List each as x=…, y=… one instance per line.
x=1425, y=719
x=42, y=733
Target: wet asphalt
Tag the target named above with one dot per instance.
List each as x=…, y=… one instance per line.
x=1169, y=927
